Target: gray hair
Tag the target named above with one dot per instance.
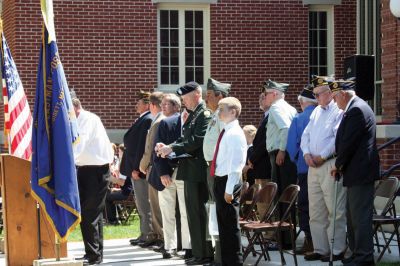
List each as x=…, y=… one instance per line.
x=76, y=103
x=173, y=99
x=305, y=99
x=350, y=92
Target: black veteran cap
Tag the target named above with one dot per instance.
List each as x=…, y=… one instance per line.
x=341, y=84
x=318, y=81
x=272, y=85
x=144, y=96
x=308, y=92
x=215, y=85
x=188, y=87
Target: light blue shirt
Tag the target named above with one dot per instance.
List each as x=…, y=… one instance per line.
x=281, y=115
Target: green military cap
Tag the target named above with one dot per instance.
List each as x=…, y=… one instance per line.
x=215, y=85
x=273, y=85
x=318, y=81
x=341, y=84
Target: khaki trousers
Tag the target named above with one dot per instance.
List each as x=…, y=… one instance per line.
x=321, y=189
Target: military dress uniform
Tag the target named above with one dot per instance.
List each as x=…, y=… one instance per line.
x=193, y=171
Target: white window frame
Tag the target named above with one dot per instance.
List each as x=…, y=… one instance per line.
x=206, y=42
x=329, y=9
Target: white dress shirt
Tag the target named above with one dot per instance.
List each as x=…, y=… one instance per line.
x=231, y=156
x=94, y=147
x=319, y=136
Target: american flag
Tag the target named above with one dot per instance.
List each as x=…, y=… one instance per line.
x=17, y=115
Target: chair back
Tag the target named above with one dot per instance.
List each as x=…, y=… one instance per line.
x=248, y=201
x=266, y=195
x=288, y=197
x=385, y=194
x=245, y=187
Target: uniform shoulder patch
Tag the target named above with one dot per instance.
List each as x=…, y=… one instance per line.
x=207, y=113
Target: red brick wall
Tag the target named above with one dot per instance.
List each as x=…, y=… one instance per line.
x=390, y=61
x=109, y=48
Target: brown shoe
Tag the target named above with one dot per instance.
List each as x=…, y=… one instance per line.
x=313, y=256
x=306, y=248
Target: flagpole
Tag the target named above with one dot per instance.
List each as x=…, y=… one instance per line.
x=57, y=248
x=39, y=233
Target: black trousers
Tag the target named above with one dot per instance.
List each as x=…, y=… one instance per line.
x=359, y=210
x=284, y=175
x=228, y=223
x=111, y=209
x=196, y=196
x=93, y=185
x=302, y=205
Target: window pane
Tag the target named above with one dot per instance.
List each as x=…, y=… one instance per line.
x=313, y=71
x=164, y=37
x=164, y=19
x=323, y=57
x=313, y=41
x=164, y=56
x=174, y=56
x=174, y=75
x=313, y=20
x=199, y=76
x=378, y=99
x=164, y=75
x=174, y=38
x=189, y=74
x=189, y=57
x=322, y=20
x=199, y=38
x=199, y=57
x=198, y=21
x=313, y=57
x=323, y=35
x=188, y=19
x=189, y=38
x=174, y=18
x=323, y=71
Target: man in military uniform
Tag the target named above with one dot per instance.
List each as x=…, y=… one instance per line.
x=215, y=92
x=193, y=169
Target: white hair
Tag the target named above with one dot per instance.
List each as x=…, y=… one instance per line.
x=199, y=90
x=350, y=92
x=305, y=99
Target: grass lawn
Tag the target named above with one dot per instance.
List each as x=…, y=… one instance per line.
x=130, y=230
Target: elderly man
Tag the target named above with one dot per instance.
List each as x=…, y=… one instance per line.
x=358, y=162
x=307, y=103
x=281, y=114
x=134, y=141
x=146, y=167
x=93, y=156
x=215, y=92
x=170, y=189
x=318, y=146
x=193, y=169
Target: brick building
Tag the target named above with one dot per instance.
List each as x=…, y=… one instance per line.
x=112, y=49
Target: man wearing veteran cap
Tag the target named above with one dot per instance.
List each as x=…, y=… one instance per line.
x=308, y=103
x=318, y=146
x=193, y=169
x=358, y=162
x=281, y=114
x=215, y=92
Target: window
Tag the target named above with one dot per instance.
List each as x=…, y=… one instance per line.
x=183, y=45
x=320, y=40
x=369, y=42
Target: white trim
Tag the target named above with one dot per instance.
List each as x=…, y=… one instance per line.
x=387, y=131
x=329, y=9
x=186, y=1
x=181, y=7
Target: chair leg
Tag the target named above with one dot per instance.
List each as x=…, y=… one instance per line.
x=292, y=232
x=265, y=243
x=395, y=232
x=279, y=240
x=250, y=246
x=384, y=238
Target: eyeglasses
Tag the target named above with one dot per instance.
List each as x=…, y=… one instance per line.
x=316, y=95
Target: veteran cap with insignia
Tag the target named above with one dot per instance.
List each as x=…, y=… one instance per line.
x=308, y=92
x=318, y=81
x=215, y=85
x=188, y=87
x=144, y=96
x=341, y=84
x=273, y=85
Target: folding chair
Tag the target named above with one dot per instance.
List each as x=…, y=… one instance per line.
x=128, y=208
x=288, y=197
x=387, y=190
x=246, y=210
x=265, y=195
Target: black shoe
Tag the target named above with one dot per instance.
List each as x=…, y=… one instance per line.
x=272, y=246
x=313, y=256
x=134, y=241
x=190, y=259
x=169, y=254
x=82, y=258
x=200, y=261
x=140, y=242
x=347, y=260
x=92, y=261
x=365, y=263
x=188, y=254
x=334, y=257
x=147, y=243
x=159, y=249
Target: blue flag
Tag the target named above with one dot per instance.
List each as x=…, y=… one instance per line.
x=53, y=174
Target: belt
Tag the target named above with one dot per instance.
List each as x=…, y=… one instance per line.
x=93, y=166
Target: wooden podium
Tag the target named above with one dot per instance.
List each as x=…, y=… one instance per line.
x=20, y=216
